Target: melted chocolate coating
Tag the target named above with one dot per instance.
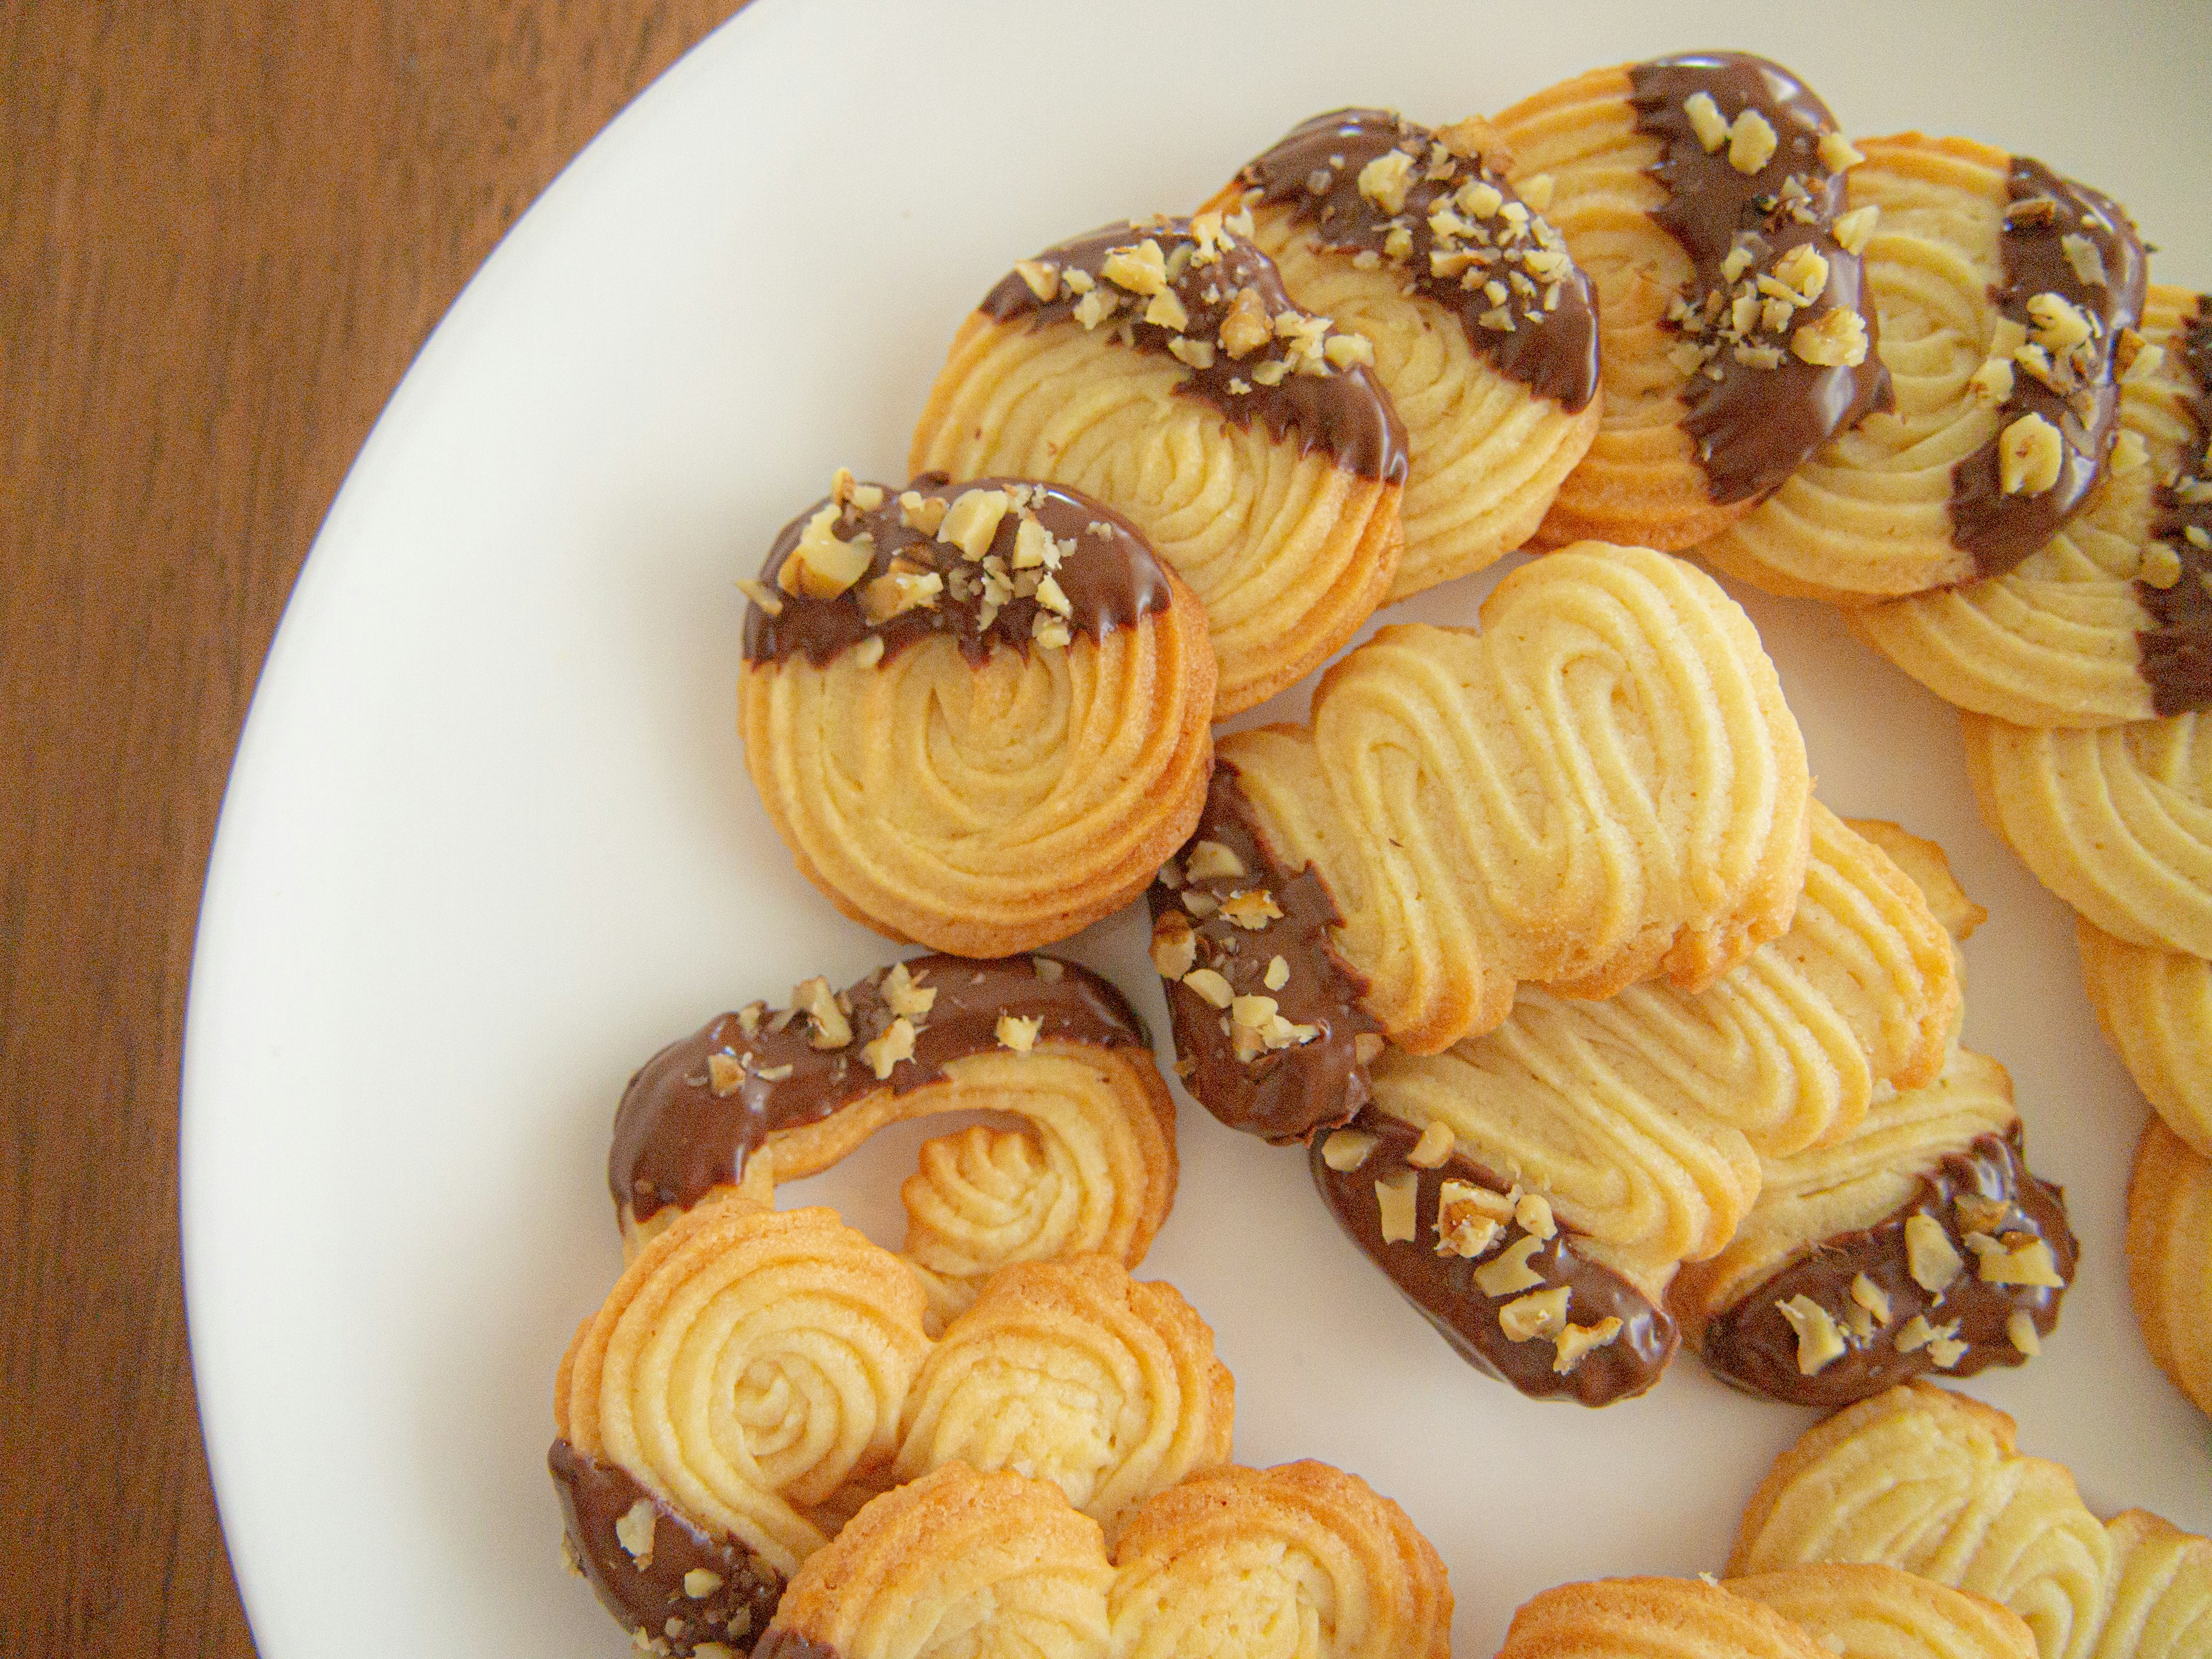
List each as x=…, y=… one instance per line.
x=782, y=1644
x=2175, y=655
x=1111, y=577
x=1343, y=412
x=676, y=1137
x=1553, y=353
x=1443, y=1287
x=2000, y=530
x=1284, y=1094
x=651, y=1597
x=1751, y=1345
x=1754, y=426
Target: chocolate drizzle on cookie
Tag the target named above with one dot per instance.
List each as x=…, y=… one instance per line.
x=1951, y=1282
x=675, y=1585
x=1195, y=289
x=990, y=563
x=1482, y=1267
x=2175, y=655
x=2074, y=278
x=1777, y=333
x=1269, y=1032
x=1442, y=218
x=694, y=1113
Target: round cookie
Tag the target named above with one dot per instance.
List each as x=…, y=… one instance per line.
x=977, y=714
x=1161, y=366
x=1484, y=332
x=2108, y=621
x=2155, y=1007
x=2002, y=290
x=1616, y=1618
x=1859, y=1611
x=2170, y=1258
x=2116, y=821
x=1701, y=193
x=762, y=1096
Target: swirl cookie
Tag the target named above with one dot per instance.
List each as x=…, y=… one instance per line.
x=1616, y=1618
x=2155, y=1007
x=763, y=1096
x=1635, y=1129
x=1072, y=1372
x=1602, y=784
x=2108, y=621
x=1861, y=1611
x=1228, y=1563
x=1927, y=1480
x=2004, y=290
x=1484, y=332
x=978, y=714
x=2170, y=1258
x=1701, y=193
x=746, y=1365
x=1160, y=366
x=2116, y=821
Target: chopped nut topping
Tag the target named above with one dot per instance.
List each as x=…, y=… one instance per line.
x=1947, y=1350
x=1576, y=1340
x=1209, y=860
x=1142, y=269
x=1050, y=596
x=1854, y=229
x=700, y=1583
x=1751, y=142
x=1396, y=1198
x=1540, y=1313
x=1398, y=246
x=1707, y=120
x=1534, y=1214
x=723, y=1075
x=1462, y=1229
x=2060, y=325
x=1210, y=986
x=1837, y=339
x=1344, y=350
x=1914, y=1334
x=2020, y=1259
x=1199, y=354
x=1980, y=1214
x=1872, y=1298
x=869, y=651
x=2128, y=455
x=1167, y=311
x=2161, y=566
x=972, y=521
x=1174, y=945
x=1803, y=272
x=821, y=566
x=1345, y=1150
x=830, y=1027
x=895, y=1044
x=904, y=995
x=1019, y=1035
x=1251, y=910
x=1277, y=975
x=2088, y=261
x=1367, y=1047
x=1498, y=1206
x=1434, y=1146
x=921, y=511
x=1094, y=307
x=634, y=1531
x=1837, y=154
x=761, y=594
x=2030, y=455
x=1170, y=875
x=1383, y=180
x=1991, y=383
x=1510, y=1271
x=1047, y=971
x=2020, y=1331
x=2136, y=357
x=1930, y=1257
x=1820, y=1342
x=1199, y=903
x=1246, y=326
x=774, y=1074
x=897, y=591
x=1043, y=280
x=749, y=1018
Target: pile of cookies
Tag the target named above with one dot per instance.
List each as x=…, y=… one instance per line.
x=1601, y=1031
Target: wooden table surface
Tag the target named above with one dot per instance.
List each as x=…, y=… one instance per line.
x=225, y=228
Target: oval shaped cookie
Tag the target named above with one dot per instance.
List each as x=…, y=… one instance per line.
x=2155, y=1007
x=763, y=1096
x=1485, y=333
x=2170, y=1258
x=1161, y=366
x=1701, y=194
x=1861, y=1611
x=2002, y=290
x=976, y=714
x=2109, y=620
x=1614, y=1618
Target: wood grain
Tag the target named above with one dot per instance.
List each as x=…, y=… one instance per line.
x=224, y=230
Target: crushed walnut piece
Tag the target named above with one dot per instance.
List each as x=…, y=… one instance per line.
x=1819, y=1340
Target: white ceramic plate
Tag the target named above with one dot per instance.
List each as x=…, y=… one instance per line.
x=489, y=840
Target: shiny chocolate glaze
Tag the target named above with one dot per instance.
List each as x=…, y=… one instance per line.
x=677, y=1134
x=2175, y=656
x=1751, y=1345
x=781, y=1643
x=1106, y=569
x=1284, y=1094
x=649, y=1597
x=2000, y=530
x=1549, y=343
x=1754, y=426
x=1343, y=412
x=1443, y=1287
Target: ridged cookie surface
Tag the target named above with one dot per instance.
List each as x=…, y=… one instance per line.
x=1484, y=332
x=979, y=716
x=2170, y=1258
x=1161, y=368
x=2002, y=290
x=1652, y=1619
x=2155, y=1007
x=1700, y=193
x=1861, y=1611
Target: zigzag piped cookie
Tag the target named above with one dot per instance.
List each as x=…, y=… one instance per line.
x=2155, y=1007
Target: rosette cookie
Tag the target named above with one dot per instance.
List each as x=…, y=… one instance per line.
x=2109, y=620
x=977, y=713
x=1600, y=785
x=2116, y=821
x=2004, y=290
x=1927, y=1480
x=1857, y=1610
x=1160, y=366
x=762, y=1096
x=2155, y=1007
x=1069, y=1371
x=1484, y=332
x=1917, y=1239
x=1701, y=193
x=1634, y=1129
x=2170, y=1258
x=746, y=1365
x=1652, y=1619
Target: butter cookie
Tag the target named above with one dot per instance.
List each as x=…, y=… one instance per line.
x=2170, y=1258
x=1616, y=1618
x=1861, y=1611
x=2155, y=1007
